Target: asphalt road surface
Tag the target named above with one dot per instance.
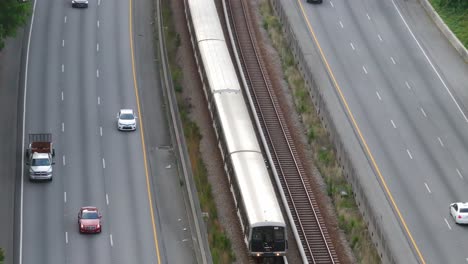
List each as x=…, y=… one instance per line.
x=78, y=76
x=405, y=85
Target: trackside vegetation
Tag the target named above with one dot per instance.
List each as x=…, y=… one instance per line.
x=455, y=15
x=13, y=14
x=220, y=245
x=340, y=192
x=2, y=256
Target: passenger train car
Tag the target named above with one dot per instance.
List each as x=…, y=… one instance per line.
x=258, y=209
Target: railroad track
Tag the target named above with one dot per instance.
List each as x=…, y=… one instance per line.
x=304, y=208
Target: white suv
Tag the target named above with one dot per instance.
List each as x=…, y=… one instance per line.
x=80, y=3
x=126, y=120
x=459, y=212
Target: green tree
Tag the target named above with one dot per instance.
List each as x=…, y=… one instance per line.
x=13, y=14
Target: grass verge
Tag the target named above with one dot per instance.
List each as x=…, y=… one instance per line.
x=220, y=245
x=455, y=15
x=340, y=192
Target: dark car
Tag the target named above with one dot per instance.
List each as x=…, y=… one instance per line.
x=89, y=220
x=315, y=1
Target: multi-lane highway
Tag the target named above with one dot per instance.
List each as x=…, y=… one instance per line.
x=404, y=86
x=79, y=72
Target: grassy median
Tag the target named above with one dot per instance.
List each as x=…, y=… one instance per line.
x=455, y=15
x=220, y=245
x=341, y=193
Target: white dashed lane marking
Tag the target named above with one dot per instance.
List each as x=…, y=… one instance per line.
x=107, y=199
x=407, y=85
x=447, y=223
x=103, y=163
x=111, y=241
x=65, y=197
x=380, y=38
x=63, y=127
x=352, y=46
x=365, y=70
x=378, y=95
x=423, y=112
x=99, y=100
x=409, y=153
x=63, y=68
x=440, y=141
x=63, y=160
x=331, y=3
x=368, y=17
x=393, y=124
x=100, y=131
x=62, y=96
x=427, y=187
x=63, y=43
x=65, y=19
x=66, y=237
x=341, y=24
x=459, y=174
x=393, y=60
x=97, y=23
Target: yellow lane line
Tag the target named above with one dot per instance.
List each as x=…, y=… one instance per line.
x=135, y=85
x=366, y=147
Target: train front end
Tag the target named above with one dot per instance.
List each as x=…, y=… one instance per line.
x=268, y=240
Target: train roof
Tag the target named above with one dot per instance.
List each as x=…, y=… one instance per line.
x=220, y=71
x=238, y=129
x=206, y=25
x=256, y=188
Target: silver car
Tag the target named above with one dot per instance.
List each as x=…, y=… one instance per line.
x=126, y=120
x=80, y=3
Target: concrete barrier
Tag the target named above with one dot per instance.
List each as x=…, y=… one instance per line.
x=456, y=43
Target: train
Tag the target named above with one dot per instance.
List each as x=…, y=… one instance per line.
x=258, y=209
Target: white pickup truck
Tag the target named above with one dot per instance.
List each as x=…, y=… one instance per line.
x=40, y=156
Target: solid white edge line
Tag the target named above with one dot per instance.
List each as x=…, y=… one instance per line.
x=409, y=153
x=447, y=223
x=427, y=187
x=430, y=62
x=459, y=174
x=20, y=261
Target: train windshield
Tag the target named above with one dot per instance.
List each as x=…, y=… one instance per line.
x=268, y=239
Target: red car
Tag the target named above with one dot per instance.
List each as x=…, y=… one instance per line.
x=89, y=220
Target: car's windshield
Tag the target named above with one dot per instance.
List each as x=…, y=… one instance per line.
x=464, y=210
x=40, y=162
x=90, y=215
x=126, y=116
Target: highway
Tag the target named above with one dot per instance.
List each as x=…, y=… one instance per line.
x=79, y=73
x=405, y=88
